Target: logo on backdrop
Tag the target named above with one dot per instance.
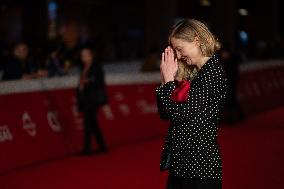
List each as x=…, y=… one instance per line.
x=146, y=107
x=53, y=122
x=118, y=96
x=5, y=134
x=107, y=112
x=124, y=109
x=28, y=124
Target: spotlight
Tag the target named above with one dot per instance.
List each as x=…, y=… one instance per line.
x=243, y=12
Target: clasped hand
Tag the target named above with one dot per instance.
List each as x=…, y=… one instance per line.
x=168, y=66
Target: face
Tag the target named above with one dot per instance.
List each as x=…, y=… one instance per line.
x=188, y=52
x=21, y=51
x=86, y=56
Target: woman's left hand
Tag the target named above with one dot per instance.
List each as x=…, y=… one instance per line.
x=169, y=65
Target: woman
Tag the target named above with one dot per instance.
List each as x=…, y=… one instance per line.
x=91, y=95
x=191, y=97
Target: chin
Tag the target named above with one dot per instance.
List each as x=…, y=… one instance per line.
x=189, y=62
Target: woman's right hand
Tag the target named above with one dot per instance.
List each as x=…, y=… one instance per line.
x=169, y=65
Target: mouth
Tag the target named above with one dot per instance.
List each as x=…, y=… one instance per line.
x=187, y=60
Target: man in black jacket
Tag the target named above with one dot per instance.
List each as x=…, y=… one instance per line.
x=91, y=96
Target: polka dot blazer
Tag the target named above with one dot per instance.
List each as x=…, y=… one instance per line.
x=191, y=149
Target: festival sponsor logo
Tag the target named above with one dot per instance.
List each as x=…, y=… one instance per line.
x=108, y=112
x=5, y=134
x=53, y=121
x=119, y=96
x=146, y=107
x=124, y=109
x=28, y=124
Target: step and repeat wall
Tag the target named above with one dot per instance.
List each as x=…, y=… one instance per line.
x=39, y=119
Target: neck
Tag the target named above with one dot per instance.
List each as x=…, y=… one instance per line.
x=202, y=61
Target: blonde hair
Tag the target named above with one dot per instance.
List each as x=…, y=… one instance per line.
x=188, y=30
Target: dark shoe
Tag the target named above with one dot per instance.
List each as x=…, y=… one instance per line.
x=101, y=150
x=86, y=153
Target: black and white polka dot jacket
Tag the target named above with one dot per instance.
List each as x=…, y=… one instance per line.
x=191, y=149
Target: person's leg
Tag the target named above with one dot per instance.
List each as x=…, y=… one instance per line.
x=201, y=184
x=173, y=182
x=98, y=133
x=87, y=148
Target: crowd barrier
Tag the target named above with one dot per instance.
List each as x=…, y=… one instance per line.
x=39, y=119
x=261, y=86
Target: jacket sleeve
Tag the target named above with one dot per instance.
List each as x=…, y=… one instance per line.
x=168, y=109
x=205, y=99
x=160, y=94
x=162, y=112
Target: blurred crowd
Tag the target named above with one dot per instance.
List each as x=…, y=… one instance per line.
x=23, y=62
x=20, y=62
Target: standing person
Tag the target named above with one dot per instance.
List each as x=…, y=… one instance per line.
x=20, y=65
x=91, y=96
x=191, y=96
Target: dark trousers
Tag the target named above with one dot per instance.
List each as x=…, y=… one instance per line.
x=182, y=183
x=91, y=127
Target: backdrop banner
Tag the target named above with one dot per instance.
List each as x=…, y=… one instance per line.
x=39, y=118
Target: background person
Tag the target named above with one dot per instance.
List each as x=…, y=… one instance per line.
x=91, y=96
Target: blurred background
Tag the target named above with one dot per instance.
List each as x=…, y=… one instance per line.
x=41, y=129
x=130, y=30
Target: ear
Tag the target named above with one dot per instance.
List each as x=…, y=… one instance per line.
x=197, y=41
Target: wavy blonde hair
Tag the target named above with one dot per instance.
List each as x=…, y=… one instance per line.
x=188, y=30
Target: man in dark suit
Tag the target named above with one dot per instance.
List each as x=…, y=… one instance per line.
x=92, y=95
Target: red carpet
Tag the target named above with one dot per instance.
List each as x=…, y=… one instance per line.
x=253, y=154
